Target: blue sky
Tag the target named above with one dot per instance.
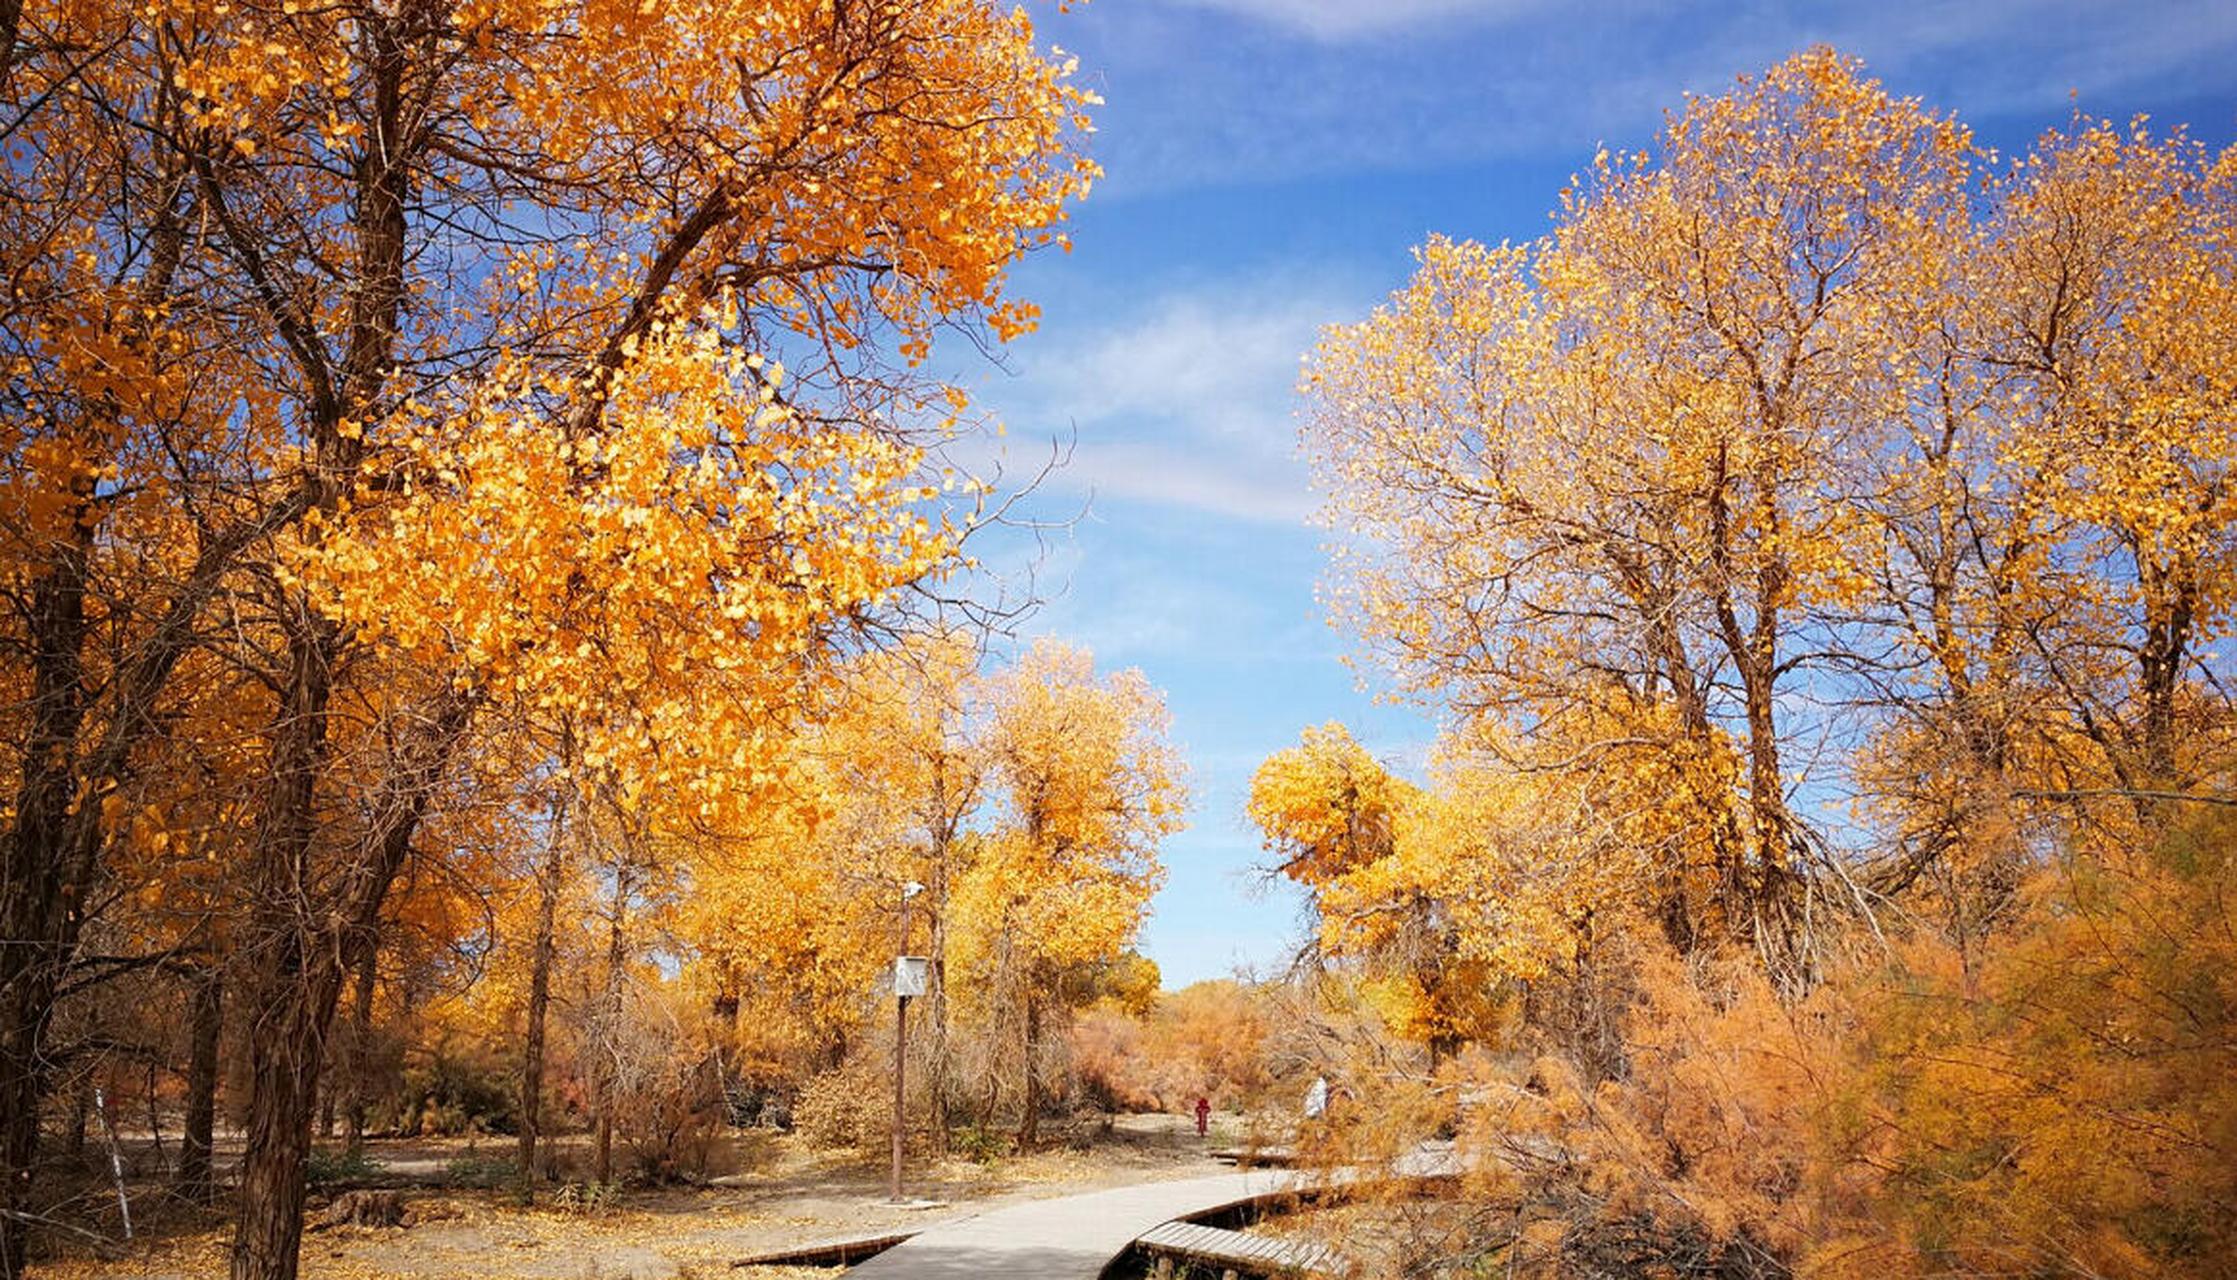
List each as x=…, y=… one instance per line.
x=1269, y=163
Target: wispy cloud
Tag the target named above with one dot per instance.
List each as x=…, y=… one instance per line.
x=1220, y=92
x=1185, y=401
x=1220, y=357
x=1236, y=487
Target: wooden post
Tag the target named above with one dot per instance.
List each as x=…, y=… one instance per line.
x=900, y=1086
x=909, y=890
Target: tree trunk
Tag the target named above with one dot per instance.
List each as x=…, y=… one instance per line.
x=358, y=1066
x=1029, y=1126
x=604, y=1166
x=2171, y=606
x=50, y=852
x=207, y=1019
x=299, y=949
x=616, y=955
x=548, y=880
x=936, y=968
x=305, y=930
x=294, y=974
x=286, y=1048
x=155, y=1122
x=81, y=1116
x=48, y=859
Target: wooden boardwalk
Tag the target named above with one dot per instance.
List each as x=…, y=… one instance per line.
x=1071, y=1238
x=826, y=1253
x=1076, y=1237
x=1254, y=1255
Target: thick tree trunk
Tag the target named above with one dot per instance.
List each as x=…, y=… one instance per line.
x=286, y=1049
x=300, y=949
x=2171, y=612
x=1753, y=648
x=306, y=930
x=48, y=860
x=295, y=975
x=548, y=881
x=207, y=1019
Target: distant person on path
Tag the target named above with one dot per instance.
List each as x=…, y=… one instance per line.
x=1203, y=1115
x=1316, y=1098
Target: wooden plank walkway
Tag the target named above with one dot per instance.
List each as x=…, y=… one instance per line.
x=1076, y=1237
x=826, y=1253
x=1071, y=1238
x=1256, y=1255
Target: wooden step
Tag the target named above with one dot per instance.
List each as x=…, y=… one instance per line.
x=1238, y=1251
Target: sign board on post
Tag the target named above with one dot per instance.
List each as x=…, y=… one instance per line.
x=909, y=973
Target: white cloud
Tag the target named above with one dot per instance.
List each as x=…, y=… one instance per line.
x=1240, y=488
x=1186, y=402
x=1221, y=359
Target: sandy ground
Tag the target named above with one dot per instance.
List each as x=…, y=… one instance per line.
x=790, y=1196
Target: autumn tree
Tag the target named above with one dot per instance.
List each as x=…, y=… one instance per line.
x=1026, y=805
x=1086, y=787
x=910, y=746
x=1813, y=543
x=1486, y=888
x=1327, y=806
x=1599, y=481
x=2107, y=304
x=465, y=387
x=1332, y=816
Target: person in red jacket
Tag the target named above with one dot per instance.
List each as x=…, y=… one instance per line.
x=1203, y=1116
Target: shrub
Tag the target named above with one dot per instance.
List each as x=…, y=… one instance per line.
x=849, y=1107
x=587, y=1199
x=327, y=1167
x=483, y=1172
x=980, y=1143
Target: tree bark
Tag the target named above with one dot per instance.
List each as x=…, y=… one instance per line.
x=50, y=852
x=207, y=1019
x=287, y=1043
x=302, y=946
x=2171, y=609
x=295, y=975
x=305, y=931
x=48, y=861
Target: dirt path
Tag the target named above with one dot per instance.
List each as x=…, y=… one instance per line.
x=794, y=1197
